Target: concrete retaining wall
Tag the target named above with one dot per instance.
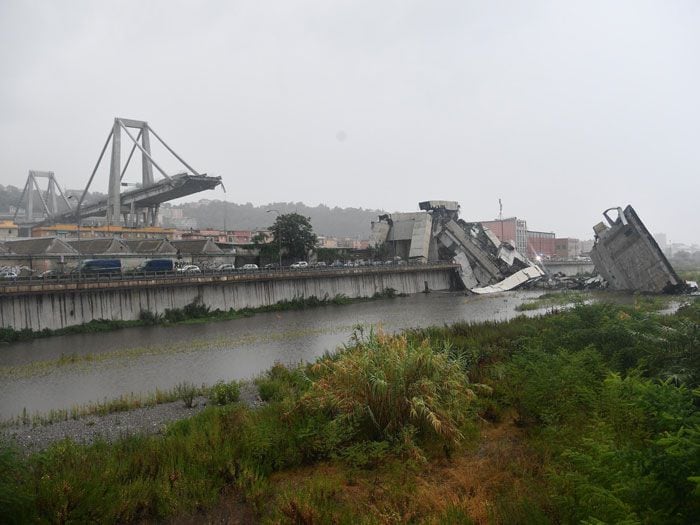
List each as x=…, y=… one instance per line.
x=62, y=308
x=569, y=268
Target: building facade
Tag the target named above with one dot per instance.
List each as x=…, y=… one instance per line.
x=8, y=230
x=88, y=231
x=511, y=230
x=567, y=248
x=541, y=244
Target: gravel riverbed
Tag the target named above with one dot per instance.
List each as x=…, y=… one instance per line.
x=114, y=426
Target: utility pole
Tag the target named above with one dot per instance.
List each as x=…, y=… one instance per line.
x=500, y=217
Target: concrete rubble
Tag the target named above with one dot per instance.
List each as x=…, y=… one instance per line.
x=487, y=265
x=629, y=259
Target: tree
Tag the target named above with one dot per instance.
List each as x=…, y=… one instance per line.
x=295, y=234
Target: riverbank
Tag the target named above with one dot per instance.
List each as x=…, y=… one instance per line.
x=54, y=374
x=583, y=415
x=190, y=314
x=111, y=424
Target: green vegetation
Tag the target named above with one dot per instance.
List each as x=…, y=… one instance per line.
x=294, y=234
x=690, y=275
x=186, y=392
x=551, y=299
x=222, y=393
x=587, y=415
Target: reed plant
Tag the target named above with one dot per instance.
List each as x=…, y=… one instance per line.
x=390, y=388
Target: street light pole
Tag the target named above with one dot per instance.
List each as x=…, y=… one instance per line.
x=279, y=239
x=80, y=252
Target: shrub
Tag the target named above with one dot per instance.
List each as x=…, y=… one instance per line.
x=280, y=382
x=553, y=389
x=387, y=388
x=224, y=393
x=174, y=315
x=187, y=392
x=148, y=317
x=15, y=496
x=195, y=310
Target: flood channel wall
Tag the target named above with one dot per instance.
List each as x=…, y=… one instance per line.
x=37, y=306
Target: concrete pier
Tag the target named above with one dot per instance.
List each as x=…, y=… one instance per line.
x=45, y=305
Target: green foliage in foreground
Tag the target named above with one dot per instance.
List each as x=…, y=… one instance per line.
x=222, y=393
x=611, y=396
x=607, y=397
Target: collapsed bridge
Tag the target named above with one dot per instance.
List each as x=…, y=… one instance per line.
x=438, y=234
x=629, y=259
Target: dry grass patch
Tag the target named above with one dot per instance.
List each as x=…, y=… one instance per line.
x=473, y=486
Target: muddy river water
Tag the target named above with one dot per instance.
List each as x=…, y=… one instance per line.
x=61, y=372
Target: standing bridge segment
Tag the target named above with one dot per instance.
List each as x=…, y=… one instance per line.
x=134, y=207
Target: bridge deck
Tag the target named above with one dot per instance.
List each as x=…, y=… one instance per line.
x=162, y=191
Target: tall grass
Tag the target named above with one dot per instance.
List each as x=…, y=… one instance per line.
x=390, y=387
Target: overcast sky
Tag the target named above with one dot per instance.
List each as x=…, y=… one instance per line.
x=559, y=108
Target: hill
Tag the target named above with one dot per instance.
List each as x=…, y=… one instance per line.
x=339, y=222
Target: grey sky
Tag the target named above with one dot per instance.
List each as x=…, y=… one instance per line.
x=562, y=109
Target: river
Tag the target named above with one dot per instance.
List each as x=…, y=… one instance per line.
x=64, y=371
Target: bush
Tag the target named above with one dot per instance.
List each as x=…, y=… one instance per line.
x=280, y=382
x=195, y=310
x=187, y=392
x=15, y=496
x=224, y=393
x=390, y=389
x=148, y=317
x=553, y=389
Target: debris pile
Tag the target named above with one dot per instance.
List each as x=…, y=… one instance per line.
x=559, y=281
x=487, y=265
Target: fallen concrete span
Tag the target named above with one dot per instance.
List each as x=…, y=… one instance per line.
x=629, y=259
x=438, y=234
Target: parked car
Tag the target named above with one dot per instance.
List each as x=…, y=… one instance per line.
x=226, y=267
x=337, y=264
x=8, y=275
x=249, y=267
x=156, y=266
x=50, y=274
x=300, y=264
x=319, y=264
x=271, y=266
x=189, y=269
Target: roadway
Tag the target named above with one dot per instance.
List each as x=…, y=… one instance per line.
x=37, y=285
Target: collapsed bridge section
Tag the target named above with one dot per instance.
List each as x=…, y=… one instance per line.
x=629, y=259
x=438, y=234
